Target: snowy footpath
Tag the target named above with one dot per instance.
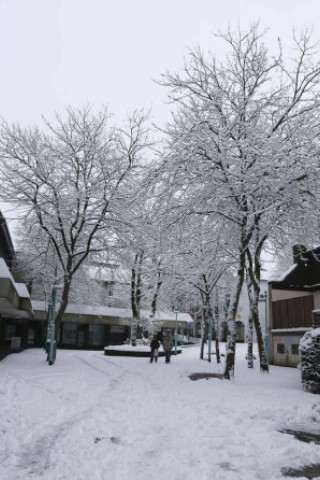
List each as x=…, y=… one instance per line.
x=94, y=417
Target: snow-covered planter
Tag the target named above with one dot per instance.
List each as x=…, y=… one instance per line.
x=309, y=350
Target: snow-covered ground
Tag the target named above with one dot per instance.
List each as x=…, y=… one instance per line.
x=94, y=417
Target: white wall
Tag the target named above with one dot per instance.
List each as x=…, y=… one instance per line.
x=242, y=314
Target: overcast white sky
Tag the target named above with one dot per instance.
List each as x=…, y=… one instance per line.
x=68, y=52
x=56, y=53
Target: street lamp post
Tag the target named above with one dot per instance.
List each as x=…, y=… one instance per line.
x=176, y=332
x=264, y=298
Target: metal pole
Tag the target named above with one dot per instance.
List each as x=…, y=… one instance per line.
x=53, y=326
x=52, y=323
x=176, y=333
x=266, y=337
x=264, y=298
x=48, y=329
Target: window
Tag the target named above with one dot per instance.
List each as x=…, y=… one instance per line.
x=96, y=334
x=281, y=348
x=10, y=331
x=31, y=336
x=69, y=334
x=295, y=349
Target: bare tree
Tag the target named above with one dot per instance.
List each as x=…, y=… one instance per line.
x=241, y=144
x=143, y=250
x=70, y=181
x=200, y=260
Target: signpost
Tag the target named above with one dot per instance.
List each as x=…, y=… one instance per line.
x=176, y=332
x=264, y=298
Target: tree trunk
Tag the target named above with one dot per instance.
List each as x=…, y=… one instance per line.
x=155, y=299
x=250, y=322
x=234, y=301
x=250, y=343
x=253, y=272
x=204, y=332
x=216, y=327
x=136, y=294
x=134, y=330
x=264, y=366
x=63, y=305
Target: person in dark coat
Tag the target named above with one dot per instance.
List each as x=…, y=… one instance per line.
x=154, y=345
x=167, y=347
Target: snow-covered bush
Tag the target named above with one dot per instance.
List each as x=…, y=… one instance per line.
x=309, y=350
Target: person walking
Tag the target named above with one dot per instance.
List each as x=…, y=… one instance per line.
x=167, y=346
x=154, y=345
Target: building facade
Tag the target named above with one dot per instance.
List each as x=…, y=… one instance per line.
x=293, y=298
x=23, y=320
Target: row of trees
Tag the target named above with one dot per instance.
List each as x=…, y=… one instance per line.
x=237, y=168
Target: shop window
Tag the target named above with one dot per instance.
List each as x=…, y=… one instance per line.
x=81, y=338
x=10, y=331
x=31, y=336
x=69, y=333
x=295, y=349
x=96, y=335
x=281, y=348
x=117, y=334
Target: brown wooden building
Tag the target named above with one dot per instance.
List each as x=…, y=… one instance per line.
x=292, y=300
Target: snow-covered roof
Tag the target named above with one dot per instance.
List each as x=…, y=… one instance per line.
x=103, y=311
x=78, y=309
x=4, y=270
x=22, y=290
x=290, y=330
x=5, y=273
x=165, y=315
x=284, y=275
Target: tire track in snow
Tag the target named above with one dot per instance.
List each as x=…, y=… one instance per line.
x=35, y=456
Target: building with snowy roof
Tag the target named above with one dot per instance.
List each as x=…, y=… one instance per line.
x=292, y=300
x=15, y=303
x=85, y=326
x=23, y=321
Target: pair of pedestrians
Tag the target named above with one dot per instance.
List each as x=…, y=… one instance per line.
x=167, y=345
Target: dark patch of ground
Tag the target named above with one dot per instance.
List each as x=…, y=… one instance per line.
x=201, y=376
x=307, y=437
x=115, y=440
x=310, y=472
